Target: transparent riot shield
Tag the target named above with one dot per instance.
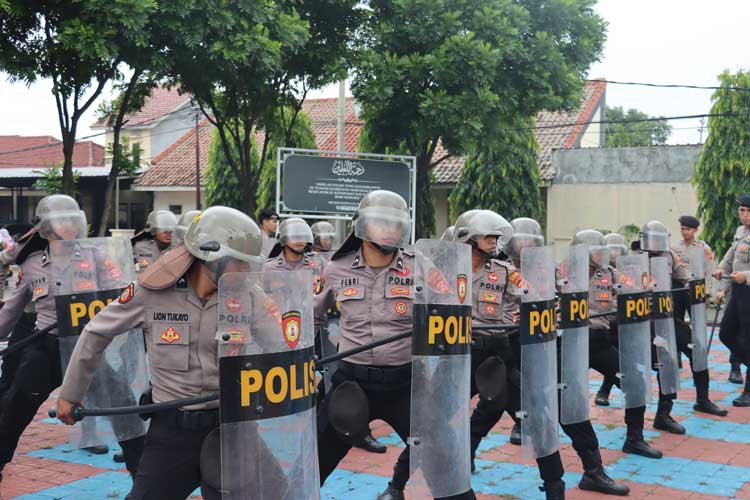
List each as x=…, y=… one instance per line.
x=665, y=340
x=92, y=273
x=574, y=338
x=698, y=296
x=539, y=416
x=267, y=386
x=441, y=371
x=634, y=332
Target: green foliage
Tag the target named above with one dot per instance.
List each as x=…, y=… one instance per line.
x=244, y=59
x=629, y=231
x=51, y=181
x=501, y=175
x=129, y=159
x=454, y=71
x=636, y=133
x=222, y=186
x=723, y=170
x=301, y=136
x=78, y=46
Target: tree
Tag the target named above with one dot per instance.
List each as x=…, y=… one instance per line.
x=723, y=170
x=635, y=133
x=451, y=72
x=77, y=45
x=51, y=180
x=298, y=134
x=125, y=161
x=502, y=175
x=224, y=189
x=245, y=59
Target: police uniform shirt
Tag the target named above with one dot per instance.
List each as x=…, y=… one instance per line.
x=602, y=297
x=180, y=333
x=43, y=276
x=682, y=256
x=145, y=252
x=737, y=257
x=374, y=304
x=268, y=244
x=495, y=293
x=308, y=261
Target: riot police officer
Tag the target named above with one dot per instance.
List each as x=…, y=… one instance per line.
x=370, y=277
x=617, y=246
x=155, y=238
x=735, y=325
x=654, y=239
x=293, y=249
x=604, y=356
x=181, y=228
x=58, y=217
x=501, y=281
x=323, y=236
x=175, y=302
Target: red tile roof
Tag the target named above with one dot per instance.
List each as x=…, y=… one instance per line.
x=162, y=102
x=44, y=151
x=175, y=166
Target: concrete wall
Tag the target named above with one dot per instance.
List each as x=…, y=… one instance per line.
x=442, y=210
x=134, y=136
x=163, y=199
x=593, y=137
x=614, y=187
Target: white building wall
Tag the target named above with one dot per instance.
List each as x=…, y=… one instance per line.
x=185, y=199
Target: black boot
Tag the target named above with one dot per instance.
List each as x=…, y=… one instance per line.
x=709, y=407
x=391, y=493
x=635, y=444
x=735, y=373
x=118, y=457
x=372, y=445
x=99, y=449
x=665, y=422
x=554, y=490
x=744, y=399
x=602, y=396
x=595, y=478
x=515, y=434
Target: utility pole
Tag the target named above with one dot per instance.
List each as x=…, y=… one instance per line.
x=197, y=163
x=340, y=225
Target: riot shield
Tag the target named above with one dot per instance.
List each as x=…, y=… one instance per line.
x=665, y=340
x=634, y=332
x=574, y=339
x=267, y=386
x=697, y=292
x=91, y=273
x=441, y=371
x=539, y=417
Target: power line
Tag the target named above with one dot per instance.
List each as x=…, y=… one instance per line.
x=669, y=85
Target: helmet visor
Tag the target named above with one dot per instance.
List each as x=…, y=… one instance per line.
x=63, y=225
x=383, y=226
x=655, y=242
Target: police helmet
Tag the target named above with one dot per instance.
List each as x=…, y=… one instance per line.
x=448, y=233
x=56, y=211
x=295, y=230
x=654, y=237
x=598, y=252
x=617, y=246
x=182, y=226
x=382, y=218
x=220, y=233
x=526, y=233
x=161, y=220
x=321, y=230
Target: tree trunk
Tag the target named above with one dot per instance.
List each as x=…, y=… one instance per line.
x=67, y=170
x=109, y=194
x=425, y=216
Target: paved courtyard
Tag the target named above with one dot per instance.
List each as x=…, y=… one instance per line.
x=711, y=462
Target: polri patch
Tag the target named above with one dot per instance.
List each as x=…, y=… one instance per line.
x=127, y=294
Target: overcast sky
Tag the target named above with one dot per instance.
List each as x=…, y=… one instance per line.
x=659, y=41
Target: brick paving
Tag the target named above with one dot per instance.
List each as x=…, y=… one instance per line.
x=711, y=462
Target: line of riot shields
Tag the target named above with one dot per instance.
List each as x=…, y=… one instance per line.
x=266, y=444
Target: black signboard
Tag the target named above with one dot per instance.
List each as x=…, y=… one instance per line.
x=320, y=184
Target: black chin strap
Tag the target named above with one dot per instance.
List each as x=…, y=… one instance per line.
x=301, y=252
x=385, y=249
x=486, y=255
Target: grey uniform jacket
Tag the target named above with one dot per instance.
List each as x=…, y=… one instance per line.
x=268, y=244
x=308, y=261
x=495, y=293
x=374, y=305
x=180, y=333
x=737, y=257
x=43, y=276
x=602, y=296
x=145, y=253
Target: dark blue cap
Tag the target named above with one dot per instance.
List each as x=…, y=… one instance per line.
x=744, y=200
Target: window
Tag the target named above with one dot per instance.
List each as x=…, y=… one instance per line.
x=176, y=209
